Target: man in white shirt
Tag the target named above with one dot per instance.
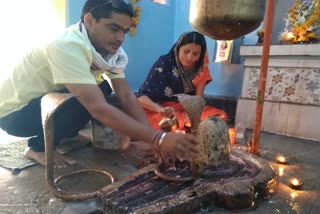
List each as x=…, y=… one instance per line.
x=72, y=63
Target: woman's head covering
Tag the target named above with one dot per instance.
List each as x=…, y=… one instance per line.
x=167, y=77
x=192, y=37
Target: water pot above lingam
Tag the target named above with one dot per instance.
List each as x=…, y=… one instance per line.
x=227, y=19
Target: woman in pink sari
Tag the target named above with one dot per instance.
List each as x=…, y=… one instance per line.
x=183, y=71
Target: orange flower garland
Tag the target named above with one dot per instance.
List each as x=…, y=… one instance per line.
x=135, y=19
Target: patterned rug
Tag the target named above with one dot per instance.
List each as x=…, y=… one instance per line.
x=12, y=157
x=12, y=154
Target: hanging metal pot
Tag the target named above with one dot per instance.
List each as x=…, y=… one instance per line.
x=226, y=19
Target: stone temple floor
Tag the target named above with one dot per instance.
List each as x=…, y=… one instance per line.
x=27, y=192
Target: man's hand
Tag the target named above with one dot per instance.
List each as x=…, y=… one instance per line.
x=179, y=146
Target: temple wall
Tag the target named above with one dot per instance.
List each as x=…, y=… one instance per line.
x=292, y=94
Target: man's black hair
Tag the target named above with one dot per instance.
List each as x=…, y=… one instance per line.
x=105, y=11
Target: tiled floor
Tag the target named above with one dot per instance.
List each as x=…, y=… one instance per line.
x=27, y=191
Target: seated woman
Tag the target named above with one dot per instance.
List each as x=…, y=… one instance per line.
x=184, y=70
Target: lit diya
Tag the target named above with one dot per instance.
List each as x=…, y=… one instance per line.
x=282, y=160
x=187, y=126
x=232, y=135
x=295, y=183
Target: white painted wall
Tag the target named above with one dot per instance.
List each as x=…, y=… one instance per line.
x=26, y=24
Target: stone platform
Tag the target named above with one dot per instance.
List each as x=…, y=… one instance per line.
x=239, y=184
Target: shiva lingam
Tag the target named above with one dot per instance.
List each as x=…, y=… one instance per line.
x=230, y=178
x=194, y=106
x=212, y=134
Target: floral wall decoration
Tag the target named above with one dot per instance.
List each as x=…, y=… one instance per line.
x=294, y=85
x=135, y=19
x=302, y=23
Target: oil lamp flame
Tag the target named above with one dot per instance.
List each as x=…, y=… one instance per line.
x=282, y=160
x=290, y=35
x=232, y=135
x=174, y=128
x=295, y=183
x=187, y=126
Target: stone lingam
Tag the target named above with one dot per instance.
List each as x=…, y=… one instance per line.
x=230, y=178
x=212, y=134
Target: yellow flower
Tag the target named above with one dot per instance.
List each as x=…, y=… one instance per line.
x=260, y=32
x=135, y=19
x=132, y=31
x=99, y=78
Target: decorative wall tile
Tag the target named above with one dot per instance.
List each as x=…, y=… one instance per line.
x=293, y=85
x=292, y=94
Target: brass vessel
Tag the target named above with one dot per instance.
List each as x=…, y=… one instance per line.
x=226, y=19
x=168, y=124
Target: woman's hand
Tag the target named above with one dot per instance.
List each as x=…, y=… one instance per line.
x=182, y=97
x=179, y=146
x=165, y=111
x=168, y=112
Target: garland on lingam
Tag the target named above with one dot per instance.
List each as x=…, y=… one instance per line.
x=135, y=19
x=302, y=23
